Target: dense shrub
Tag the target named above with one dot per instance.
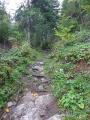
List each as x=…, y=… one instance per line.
x=12, y=64
x=4, y=31
x=71, y=87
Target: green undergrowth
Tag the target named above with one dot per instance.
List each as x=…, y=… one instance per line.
x=12, y=65
x=71, y=87
x=73, y=52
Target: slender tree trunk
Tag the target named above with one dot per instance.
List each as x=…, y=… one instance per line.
x=28, y=27
x=29, y=35
x=28, y=30
x=34, y=37
x=81, y=19
x=71, y=13
x=4, y=44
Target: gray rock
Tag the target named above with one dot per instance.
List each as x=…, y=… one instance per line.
x=57, y=117
x=39, y=74
x=27, y=98
x=18, y=111
x=35, y=79
x=23, y=111
x=42, y=74
x=42, y=113
x=43, y=101
x=61, y=70
x=14, y=103
x=28, y=113
x=39, y=68
x=30, y=107
x=41, y=63
x=33, y=114
x=40, y=87
x=44, y=80
x=9, y=104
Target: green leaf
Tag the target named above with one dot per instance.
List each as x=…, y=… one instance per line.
x=81, y=106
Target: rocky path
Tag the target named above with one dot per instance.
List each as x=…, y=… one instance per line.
x=38, y=102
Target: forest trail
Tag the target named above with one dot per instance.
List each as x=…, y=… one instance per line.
x=38, y=102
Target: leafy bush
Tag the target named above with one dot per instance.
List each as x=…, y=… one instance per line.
x=71, y=89
x=12, y=64
x=82, y=36
x=72, y=94
x=74, y=53
x=77, y=52
x=4, y=31
x=64, y=33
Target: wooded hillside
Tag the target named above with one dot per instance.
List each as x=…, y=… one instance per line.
x=41, y=25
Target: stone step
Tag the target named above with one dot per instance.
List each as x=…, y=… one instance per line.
x=39, y=68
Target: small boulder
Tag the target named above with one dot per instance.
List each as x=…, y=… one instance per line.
x=39, y=74
x=40, y=87
x=39, y=68
x=35, y=79
x=44, y=80
x=9, y=104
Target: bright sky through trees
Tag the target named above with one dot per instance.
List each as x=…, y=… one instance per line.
x=13, y=4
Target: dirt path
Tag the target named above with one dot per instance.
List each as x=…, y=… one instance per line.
x=38, y=102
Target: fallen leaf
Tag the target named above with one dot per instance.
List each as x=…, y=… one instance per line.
x=78, y=66
x=34, y=94
x=86, y=107
x=7, y=110
x=26, y=89
x=80, y=116
x=46, y=87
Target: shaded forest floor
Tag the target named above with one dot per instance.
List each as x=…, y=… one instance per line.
x=42, y=76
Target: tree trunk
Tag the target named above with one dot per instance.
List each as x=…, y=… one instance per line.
x=4, y=44
x=28, y=27
x=28, y=34
x=34, y=37
x=81, y=19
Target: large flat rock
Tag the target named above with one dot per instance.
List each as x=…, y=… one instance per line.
x=30, y=107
